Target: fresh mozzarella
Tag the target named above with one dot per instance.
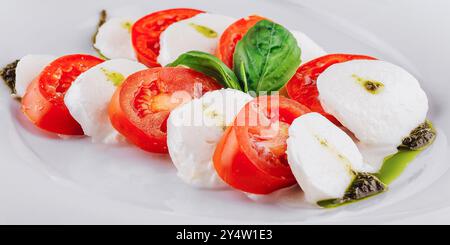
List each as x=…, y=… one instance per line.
x=322, y=157
x=88, y=97
x=193, y=131
x=375, y=154
x=310, y=49
x=113, y=39
x=28, y=68
x=379, y=102
x=200, y=33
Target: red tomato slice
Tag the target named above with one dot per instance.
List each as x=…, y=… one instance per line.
x=147, y=30
x=302, y=86
x=141, y=105
x=232, y=35
x=251, y=156
x=43, y=102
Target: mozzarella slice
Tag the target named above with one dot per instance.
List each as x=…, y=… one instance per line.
x=200, y=33
x=193, y=131
x=322, y=157
x=113, y=39
x=379, y=102
x=310, y=49
x=89, y=95
x=28, y=68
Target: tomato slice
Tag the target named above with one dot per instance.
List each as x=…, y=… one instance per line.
x=141, y=105
x=147, y=30
x=232, y=35
x=43, y=102
x=251, y=156
x=302, y=86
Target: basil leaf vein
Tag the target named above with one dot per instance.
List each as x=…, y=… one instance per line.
x=267, y=57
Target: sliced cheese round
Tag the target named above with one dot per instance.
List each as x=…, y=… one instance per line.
x=28, y=68
x=89, y=95
x=310, y=49
x=113, y=39
x=199, y=33
x=195, y=128
x=322, y=157
x=380, y=103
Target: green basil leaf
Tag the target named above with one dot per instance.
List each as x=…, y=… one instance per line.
x=210, y=66
x=244, y=82
x=267, y=57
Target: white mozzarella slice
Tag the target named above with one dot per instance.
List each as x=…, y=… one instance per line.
x=322, y=157
x=89, y=95
x=113, y=39
x=195, y=128
x=28, y=68
x=190, y=34
x=380, y=117
x=375, y=155
x=310, y=49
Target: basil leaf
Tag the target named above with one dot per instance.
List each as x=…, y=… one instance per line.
x=267, y=57
x=208, y=65
x=244, y=82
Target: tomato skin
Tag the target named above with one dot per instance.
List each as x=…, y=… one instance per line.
x=147, y=129
x=232, y=35
x=303, y=88
x=47, y=116
x=122, y=124
x=237, y=170
x=147, y=30
x=46, y=108
x=238, y=163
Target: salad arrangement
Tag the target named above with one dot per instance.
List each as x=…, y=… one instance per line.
x=241, y=103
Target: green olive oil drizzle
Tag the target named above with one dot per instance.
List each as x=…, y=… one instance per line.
x=114, y=77
x=393, y=166
x=345, y=162
x=205, y=31
x=418, y=140
x=127, y=25
x=371, y=86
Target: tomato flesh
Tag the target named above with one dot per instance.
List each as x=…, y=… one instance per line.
x=141, y=105
x=303, y=88
x=147, y=30
x=232, y=35
x=251, y=156
x=43, y=102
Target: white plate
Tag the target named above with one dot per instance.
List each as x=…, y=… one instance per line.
x=44, y=179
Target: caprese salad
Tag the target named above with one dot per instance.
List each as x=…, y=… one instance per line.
x=237, y=103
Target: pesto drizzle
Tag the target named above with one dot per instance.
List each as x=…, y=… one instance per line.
x=363, y=186
x=204, y=30
x=8, y=75
x=366, y=185
x=420, y=137
x=371, y=86
x=101, y=22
